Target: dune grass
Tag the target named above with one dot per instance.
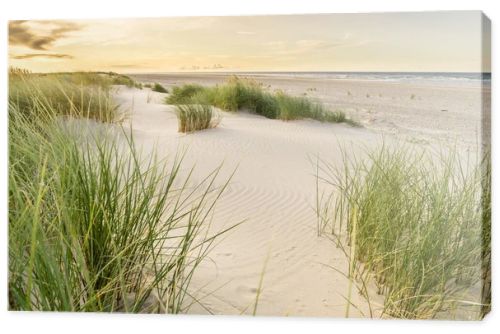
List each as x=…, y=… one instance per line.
x=81, y=95
x=195, y=117
x=93, y=224
x=183, y=94
x=158, y=88
x=413, y=224
x=101, y=79
x=486, y=232
x=236, y=94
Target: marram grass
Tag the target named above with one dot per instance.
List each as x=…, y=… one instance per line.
x=195, y=117
x=414, y=224
x=80, y=95
x=158, y=88
x=93, y=225
x=237, y=93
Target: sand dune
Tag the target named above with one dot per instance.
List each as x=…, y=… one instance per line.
x=273, y=190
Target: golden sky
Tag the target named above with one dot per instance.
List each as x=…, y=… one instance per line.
x=432, y=41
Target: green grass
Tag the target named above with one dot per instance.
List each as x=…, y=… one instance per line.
x=80, y=96
x=414, y=225
x=195, y=117
x=486, y=233
x=183, y=94
x=101, y=79
x=159, y=88
x=93, y=224
x=237, y=94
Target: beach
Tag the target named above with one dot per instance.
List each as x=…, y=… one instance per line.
x=276, y=258
x=306, y=165
x=421, y=110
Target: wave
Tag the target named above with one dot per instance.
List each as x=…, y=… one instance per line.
x=383, y=76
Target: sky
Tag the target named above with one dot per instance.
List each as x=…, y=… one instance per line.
x=426, y=41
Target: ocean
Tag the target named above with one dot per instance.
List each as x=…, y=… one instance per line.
x=445, y=79
x=384, y=76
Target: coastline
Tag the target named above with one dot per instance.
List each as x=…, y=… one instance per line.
x=425, y=111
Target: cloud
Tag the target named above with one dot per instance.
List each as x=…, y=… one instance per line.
x=318, y=45
x=43, y=55
x=275, y=44
x=310, y=46
x=126, y=65
x=20, y=33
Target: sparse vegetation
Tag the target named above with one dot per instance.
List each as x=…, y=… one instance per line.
x=183, y=94
x=195, y=117
x=82, y=95
x=237, y=94
x=102, y=79
x=413, y=224
x=159, y=88
x=120, y=79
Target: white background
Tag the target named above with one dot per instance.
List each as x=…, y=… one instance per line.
x=115, y=323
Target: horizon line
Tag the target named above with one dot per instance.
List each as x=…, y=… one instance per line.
x=292, y=71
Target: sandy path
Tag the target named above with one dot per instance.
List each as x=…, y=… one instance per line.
x=273, y=192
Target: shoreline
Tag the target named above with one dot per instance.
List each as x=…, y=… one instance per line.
x=426, y=111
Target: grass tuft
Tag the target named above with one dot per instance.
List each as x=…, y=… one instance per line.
x=236, y=94
x=183, y=94
x=414, y=224
x=79, y=96
x=159, y=88
x=195, y=117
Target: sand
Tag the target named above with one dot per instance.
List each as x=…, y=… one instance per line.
x=273, y=190
x=422, y=111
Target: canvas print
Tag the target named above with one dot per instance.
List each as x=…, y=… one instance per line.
x=330, y=165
